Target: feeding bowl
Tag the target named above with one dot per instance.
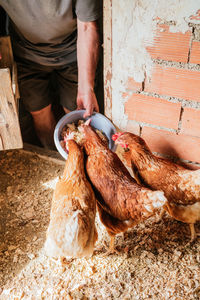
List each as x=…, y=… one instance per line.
x=98, y=121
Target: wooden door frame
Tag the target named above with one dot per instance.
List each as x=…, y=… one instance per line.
x=107, y=46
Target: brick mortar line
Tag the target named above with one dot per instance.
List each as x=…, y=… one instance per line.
x=176, y=159
x=169, y=23
x=177, y=65
x=190, y=162
x=143, y=83
x=195, y=28
x=184, y=102
x=180, y=121
x=191, y=24
x=142, y=124
x=190, y=45
x=175, y=131
x=140, y=129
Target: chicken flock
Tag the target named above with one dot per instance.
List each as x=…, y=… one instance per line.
x=94, y=176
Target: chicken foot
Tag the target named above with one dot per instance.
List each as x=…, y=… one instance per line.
x=64, y=261
x=185, y=214
x=159, y=216
x=111, y=249
x=194, y=234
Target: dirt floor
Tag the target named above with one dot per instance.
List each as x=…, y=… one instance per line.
x=154, y=261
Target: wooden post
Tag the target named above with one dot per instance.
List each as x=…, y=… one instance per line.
x=6, y=53
x=108, y=57
x=10, y=134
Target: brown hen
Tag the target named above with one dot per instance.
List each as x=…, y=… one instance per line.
x=72, y=232
x=122, y=203
x=180, y=185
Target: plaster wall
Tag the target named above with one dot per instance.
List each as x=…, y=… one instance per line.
x=133, y=29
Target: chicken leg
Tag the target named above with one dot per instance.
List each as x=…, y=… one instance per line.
x=182, y=213
x=111, y=249
x=194, y=234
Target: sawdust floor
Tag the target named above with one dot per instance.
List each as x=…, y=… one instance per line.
x=153, y=262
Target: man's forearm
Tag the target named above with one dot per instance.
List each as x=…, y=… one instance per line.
x=87, y=55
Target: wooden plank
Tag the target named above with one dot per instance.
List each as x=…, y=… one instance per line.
x=49, y=155
x=9, y=127
x=108, y=57
x=7, y=61
x=6, y=53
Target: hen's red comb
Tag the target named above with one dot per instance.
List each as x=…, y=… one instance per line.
x=116, y=135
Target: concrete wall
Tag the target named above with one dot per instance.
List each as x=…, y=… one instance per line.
x=152, y=72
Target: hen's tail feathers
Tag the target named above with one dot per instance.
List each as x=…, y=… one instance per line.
x=185, y=213
x=188, y=214
x=161, y=200
x=154, y=201
x=73, y=239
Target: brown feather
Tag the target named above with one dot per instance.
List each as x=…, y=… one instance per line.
x=123, y=202
x=180, y=185
x=72, y=230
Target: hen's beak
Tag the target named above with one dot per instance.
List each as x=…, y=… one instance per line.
x=81, y=127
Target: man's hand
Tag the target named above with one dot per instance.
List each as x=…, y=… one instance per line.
x=87, y=101
x=87, y=54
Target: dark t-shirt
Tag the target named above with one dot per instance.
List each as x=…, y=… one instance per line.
x=45, y=31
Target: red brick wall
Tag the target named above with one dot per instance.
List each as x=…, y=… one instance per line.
x=165, y=111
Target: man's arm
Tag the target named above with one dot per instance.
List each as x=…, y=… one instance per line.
x=87, y=55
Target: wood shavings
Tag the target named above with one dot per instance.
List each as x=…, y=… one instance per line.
x=154, y=261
